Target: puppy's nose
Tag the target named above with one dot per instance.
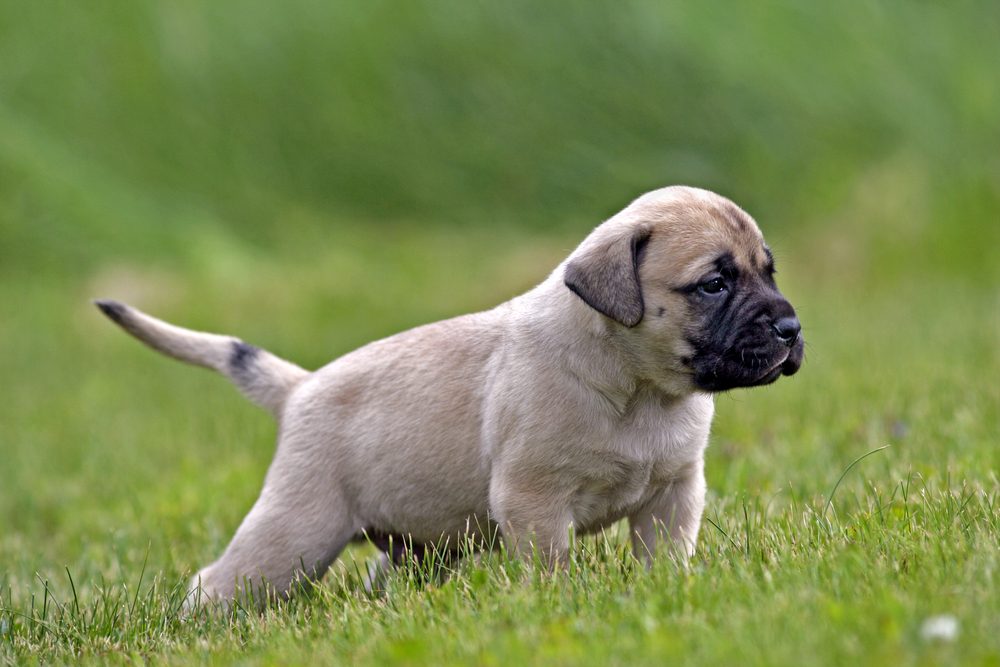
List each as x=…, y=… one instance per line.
x=787, y=329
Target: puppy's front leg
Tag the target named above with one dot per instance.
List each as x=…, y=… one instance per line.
x=534, y=520
x=674, y=513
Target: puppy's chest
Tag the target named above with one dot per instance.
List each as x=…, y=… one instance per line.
x=617, y=487
x=623, y=473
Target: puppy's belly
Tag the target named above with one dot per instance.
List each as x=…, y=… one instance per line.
x=407, y=475
x=442, y=497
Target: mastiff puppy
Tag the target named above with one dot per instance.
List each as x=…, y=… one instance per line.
x=584, y=401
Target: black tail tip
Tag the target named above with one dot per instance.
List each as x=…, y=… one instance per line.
x=113, y=309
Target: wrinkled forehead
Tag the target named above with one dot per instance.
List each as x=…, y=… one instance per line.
x=690, y=236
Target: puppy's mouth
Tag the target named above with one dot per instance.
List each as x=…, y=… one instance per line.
x=789, y=364
x=769, y=376
x=786, y=366
x=745, y=369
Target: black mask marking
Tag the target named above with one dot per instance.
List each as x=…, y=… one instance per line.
x=733, y=337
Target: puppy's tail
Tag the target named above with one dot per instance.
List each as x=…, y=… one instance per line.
x=262, y=377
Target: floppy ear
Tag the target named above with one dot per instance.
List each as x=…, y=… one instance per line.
x=606, y=276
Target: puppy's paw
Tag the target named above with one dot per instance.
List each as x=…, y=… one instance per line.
x=203, y=596
x=376, y=580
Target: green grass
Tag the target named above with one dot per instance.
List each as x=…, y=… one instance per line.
x=315, y=179
x=121, y=465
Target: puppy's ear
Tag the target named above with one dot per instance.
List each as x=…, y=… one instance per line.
x=606, y=276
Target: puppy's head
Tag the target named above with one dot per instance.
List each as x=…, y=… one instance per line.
x=686, y=285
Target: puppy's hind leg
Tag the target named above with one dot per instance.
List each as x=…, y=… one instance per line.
x=293, y=533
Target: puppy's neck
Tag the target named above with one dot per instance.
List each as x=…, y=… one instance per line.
x=591, y=347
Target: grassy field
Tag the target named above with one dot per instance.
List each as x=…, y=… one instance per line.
x=313, y=180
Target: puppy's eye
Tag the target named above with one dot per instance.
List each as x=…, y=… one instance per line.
x=713, y=286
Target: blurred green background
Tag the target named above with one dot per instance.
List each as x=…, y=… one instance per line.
x=129, y=127
x=313, y=175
